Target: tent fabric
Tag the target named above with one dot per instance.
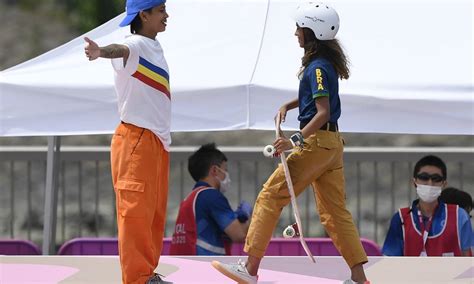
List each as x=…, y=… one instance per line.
x=233, y=63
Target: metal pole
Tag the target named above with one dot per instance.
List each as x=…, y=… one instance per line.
x=51, y=195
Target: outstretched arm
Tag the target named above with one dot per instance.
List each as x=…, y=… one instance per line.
x=93, y=51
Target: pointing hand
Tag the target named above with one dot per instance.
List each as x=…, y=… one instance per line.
x=91, y=49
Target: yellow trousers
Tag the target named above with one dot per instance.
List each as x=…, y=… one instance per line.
x=140, y=170
x=319, y=164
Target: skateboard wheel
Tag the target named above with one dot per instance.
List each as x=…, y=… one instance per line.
x=269, y=151
x=289, y=232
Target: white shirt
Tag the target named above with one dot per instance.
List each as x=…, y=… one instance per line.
x=142, y=87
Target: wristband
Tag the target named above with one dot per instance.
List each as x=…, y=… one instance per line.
x=297, y=139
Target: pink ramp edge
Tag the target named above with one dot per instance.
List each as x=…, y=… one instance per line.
x=468, y=274
x=203, y=272
x=34, y=273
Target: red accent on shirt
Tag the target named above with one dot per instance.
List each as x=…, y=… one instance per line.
x=185, y=232
x=446, y=242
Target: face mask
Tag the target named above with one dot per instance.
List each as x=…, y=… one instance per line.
x=428, y=193
x=225, y=183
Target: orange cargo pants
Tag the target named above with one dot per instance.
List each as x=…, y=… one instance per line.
x=140, y=170
x=319, y=164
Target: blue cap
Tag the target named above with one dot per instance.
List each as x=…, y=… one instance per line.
x=135, y=6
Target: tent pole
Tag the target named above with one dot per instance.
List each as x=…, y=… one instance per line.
x=51, y=194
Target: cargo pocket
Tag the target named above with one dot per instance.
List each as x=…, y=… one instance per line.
x=327, y=142
x=131, y=195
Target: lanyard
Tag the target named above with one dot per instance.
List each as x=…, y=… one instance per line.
x=425, y=231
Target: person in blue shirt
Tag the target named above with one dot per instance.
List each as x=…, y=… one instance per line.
x=206, y=224
x=429, y=227
x=462, y=198
x=317, y=151
x=452, y=195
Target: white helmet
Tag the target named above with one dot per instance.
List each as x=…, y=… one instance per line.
x=320, y=18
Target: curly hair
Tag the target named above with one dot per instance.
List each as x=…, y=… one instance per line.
x=331, y=50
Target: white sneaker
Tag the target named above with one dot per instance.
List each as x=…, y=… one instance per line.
x=236, y=271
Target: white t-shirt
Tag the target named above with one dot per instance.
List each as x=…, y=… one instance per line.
x=142, y=87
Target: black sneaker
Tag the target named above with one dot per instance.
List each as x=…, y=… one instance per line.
x=156, y=279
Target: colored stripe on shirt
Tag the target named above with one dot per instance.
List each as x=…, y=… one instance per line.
x=153, y=76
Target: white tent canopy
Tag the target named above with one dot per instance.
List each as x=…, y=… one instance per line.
x=234, y=62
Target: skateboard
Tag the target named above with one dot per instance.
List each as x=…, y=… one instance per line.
x=294, y=204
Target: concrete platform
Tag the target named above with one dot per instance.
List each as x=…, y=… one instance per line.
x=294, y=270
